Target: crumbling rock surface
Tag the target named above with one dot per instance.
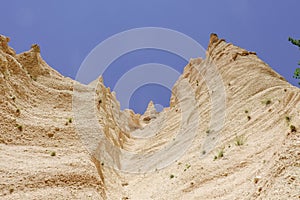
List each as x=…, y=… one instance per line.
x=255, y=152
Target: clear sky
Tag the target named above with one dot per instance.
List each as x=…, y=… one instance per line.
x=67, y=30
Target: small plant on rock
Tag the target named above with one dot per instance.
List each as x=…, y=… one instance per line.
x=70, y=120
x=293, y=128
x=19, y=127
x=267, y=102
x=287, y=119
x=220, y=154
x=239, y=140
x=187, y=166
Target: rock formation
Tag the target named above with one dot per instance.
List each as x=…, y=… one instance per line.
x=255, y=151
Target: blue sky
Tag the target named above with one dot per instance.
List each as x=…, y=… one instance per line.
x=68, y=30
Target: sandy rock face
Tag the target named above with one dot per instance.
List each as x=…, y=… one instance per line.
x=4, y=45
x=150, y=112
x=245, y=146
x=33, y=63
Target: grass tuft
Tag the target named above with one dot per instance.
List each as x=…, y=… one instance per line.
x=239, y=140
x=220, y=154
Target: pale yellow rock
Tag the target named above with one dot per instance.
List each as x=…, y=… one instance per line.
x=265, y=166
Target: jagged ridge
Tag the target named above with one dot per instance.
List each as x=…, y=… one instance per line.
x=266, y=166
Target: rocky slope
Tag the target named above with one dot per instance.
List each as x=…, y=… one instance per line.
x=246, y=143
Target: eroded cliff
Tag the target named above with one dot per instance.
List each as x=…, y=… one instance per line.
x=244, y=115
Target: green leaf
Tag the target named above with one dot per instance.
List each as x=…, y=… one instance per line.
x=295, y=42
